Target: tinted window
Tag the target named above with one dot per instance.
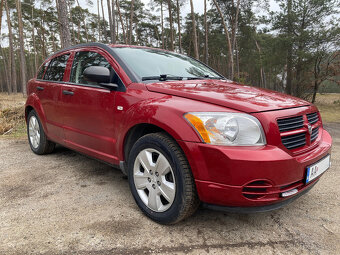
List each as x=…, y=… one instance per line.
x=83, y=60
x=56, y=69
x=42, y=70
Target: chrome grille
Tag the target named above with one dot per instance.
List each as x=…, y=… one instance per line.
x=314, y=134
x=294, y=141
x=290, y=123
x=313, y=117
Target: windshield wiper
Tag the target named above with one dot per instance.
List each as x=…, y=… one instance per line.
x=162, y=77
x=204, y=78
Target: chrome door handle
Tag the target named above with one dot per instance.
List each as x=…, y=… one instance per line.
x=40, y=88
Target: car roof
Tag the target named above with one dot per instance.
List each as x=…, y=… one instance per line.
x=103, y=46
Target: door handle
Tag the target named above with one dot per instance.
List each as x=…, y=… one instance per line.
x=67, y=92
x=40, y=88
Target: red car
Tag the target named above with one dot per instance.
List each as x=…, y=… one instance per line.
x=182, y=133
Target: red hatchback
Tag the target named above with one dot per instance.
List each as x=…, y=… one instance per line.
x=182, y=133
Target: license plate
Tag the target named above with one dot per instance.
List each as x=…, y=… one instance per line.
x=317, y=169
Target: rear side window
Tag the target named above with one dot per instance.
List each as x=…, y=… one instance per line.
x=56, y=69
x=83, y=60
x=42, y=70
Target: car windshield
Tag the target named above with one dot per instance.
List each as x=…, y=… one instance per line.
x=153, y=64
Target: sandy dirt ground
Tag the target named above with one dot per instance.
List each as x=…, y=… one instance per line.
x=66, y=203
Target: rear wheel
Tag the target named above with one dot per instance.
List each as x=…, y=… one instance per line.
x=161, y=180
x=36, y=135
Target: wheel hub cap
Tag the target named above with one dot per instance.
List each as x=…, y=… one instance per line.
x=154, y=180
x=34, y=132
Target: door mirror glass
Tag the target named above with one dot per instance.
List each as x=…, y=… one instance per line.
x=98, y=74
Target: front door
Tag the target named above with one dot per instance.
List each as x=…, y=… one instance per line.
x=88, y=109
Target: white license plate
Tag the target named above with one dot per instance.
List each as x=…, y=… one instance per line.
x=318, y=168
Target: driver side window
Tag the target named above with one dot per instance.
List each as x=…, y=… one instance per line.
x=85, y=59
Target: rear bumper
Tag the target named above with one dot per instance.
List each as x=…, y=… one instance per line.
x=227, y=176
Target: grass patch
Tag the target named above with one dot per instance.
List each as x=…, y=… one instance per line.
x=12, y=116
x=329, y=106
x=12, y=122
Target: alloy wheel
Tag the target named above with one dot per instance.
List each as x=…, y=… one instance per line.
x=154, y=180
x=34, y=132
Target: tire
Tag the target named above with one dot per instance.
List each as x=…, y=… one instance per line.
x=157, y=165
x=36, y=136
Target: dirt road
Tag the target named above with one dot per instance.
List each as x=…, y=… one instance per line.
x=67, y=203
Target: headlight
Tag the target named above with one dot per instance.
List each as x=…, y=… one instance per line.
x=222, y=128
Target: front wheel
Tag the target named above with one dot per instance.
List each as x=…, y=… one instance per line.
x=36, y=136
x=160, y=179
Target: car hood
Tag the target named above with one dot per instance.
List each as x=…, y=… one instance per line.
x=229, y=94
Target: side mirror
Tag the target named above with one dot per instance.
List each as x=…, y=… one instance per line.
x=101, y=75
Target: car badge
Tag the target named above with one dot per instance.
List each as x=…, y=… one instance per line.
x=309, y=129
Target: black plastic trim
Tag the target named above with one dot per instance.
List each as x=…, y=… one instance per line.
x=85, y=85
x=67, y=92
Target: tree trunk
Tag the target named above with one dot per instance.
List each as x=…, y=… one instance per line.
x=179, y=28
x=111, y=21
x=78, y=32
x=237, y=61
x=230, y=53
x=289, y=50
x=1, y=10
x=64, y=24
x=3, y=58
x=316, y=77
x=262, y=73
x=99, y=28
x=84, y=23
x=235, y=24
x=114, y=21
x=194, y=30
x=34, y=44
x=11, y=59
x=54, y=46
x=206, y=49
x=104, y=26
x=22, y=48
x=162, y=24
x=72, y=24
x=7, y=73
x=43, y=38
x=132, y=11
x=121, y=22
x=171, y=27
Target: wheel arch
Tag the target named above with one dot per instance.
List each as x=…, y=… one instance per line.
x=33, y=103
x=28, y=109
x=136, y=132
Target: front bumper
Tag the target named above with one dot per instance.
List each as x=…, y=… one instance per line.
x=257, y=209
x=250, y=176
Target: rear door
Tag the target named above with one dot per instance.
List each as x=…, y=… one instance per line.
x=89, y=109
x=48, y=89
